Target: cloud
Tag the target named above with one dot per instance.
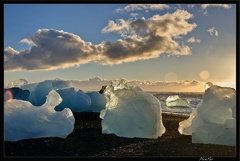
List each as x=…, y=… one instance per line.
x=53, y=49
x=96, y=83
x=27, y=41
x=213, y=31
x=205, y=13
x=134, y=15
x=9, y=52
x=96, y=79
x=148, y=38
x=136, y=7
x=141, y=39
x=170, y=86
x=121, y=27
x=190, y=5
x=226, y=6
x=193, y=40
x=92, y=84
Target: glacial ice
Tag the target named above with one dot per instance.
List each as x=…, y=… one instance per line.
x=131, y=112
x=19, y=83
x=39, y=91
x=77, y=101
x=176, y=101
x=98, y=101
x=214, y=119
x=22, y=120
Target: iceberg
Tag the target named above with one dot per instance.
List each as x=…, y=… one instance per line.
x=77, y=101
x=131, y=112
x=19, y=83
x=176, y=101
x=22, y=120
x=39, y=91
x=98, y=101
x=214, y=119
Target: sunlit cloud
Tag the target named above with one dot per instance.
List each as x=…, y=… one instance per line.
x=27, y=41
x=213, y=31
x=204, y=7
x=193, y=40
x=205, y=12
x=148, y=38
x=134, y=15
x=226, y=6
x=122, y=27
x=190, y=5
x=92, y=84
x=170, y=86
x=96, y=83
x=50, y=52
x=9, y=52
x=136, y=7
x=231, y=84
x=142, y=39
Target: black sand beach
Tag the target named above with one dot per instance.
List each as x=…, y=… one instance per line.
x=87, y=140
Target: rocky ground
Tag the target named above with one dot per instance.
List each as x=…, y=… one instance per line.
x=87, y=141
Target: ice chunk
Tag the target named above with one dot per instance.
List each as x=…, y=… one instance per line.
x=39, y=92
x=30, y=86
x=19, y=83
x=208, y=85
x=22, y=120
x=131, y=112
x=214, y=119
x=176, y=101
x=98, y=101
x=77, y=101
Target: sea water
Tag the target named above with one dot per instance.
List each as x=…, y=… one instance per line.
x=193, y=98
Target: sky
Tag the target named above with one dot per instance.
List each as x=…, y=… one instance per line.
x=182, y=45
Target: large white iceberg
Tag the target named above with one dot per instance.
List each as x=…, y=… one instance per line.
x=22, y=120
x=176, y=101
x=131, y=112
x=214, y=119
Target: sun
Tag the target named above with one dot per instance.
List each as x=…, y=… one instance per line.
x=204, y=74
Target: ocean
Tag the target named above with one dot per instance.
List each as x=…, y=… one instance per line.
x=193, y=98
